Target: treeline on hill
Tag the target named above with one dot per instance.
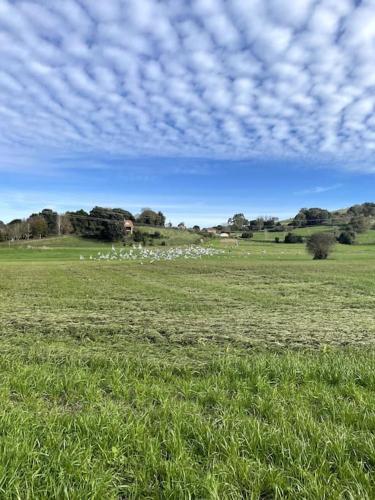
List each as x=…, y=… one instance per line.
x=100, y=223
x=356, y=219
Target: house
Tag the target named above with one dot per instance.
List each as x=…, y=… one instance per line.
x=128, y=226
x=224, y=235
x=211, y=230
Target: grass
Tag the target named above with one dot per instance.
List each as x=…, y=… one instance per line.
x=246, y=375
x=85, y=425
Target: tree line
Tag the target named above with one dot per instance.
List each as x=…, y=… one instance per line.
x=357, y=217
x=100, y=223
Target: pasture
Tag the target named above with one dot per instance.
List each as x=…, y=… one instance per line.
x=248, y=374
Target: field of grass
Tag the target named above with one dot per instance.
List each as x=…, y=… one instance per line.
x=366, y=238
x=244, y=375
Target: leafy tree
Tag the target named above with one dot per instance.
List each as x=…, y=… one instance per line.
x=247, y=235
x=51, y=219
x=111, y=213
x=112, y=230
x=346, y=238
x=38, y=227
x=366, y=209
x=151, y=218
x=311, y=217
x=359, y=224
x=79, y=221
x=238, y=222
x=270, y=222
x=320, y=245
x=161, y=219
x=139, y=236
x=293, y=238
x=196, y=229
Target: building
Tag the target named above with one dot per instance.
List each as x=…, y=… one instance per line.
x=128, y=226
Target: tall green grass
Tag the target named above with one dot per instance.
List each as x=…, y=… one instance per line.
x=150, y=426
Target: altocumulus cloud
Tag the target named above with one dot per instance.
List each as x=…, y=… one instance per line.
x=207, y=78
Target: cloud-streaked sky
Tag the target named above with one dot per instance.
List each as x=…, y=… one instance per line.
x=173, y=97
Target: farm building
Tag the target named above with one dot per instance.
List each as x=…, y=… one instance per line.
x=128, y=226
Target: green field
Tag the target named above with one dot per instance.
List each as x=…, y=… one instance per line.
x=249, y=374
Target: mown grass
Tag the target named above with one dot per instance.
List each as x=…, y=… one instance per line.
x=246, y=375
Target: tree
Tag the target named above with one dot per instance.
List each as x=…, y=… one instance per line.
x=66, y=226
x=111, y=213
x=320, y=245
x=238, y=222
x=260, y=223
x=366, y=209
x=311, y=217
x=38, y=227
x=359, y=224
x=149, y=217
x=270, y=222
x=51, y=219
x=181, y=226
x=293, y=238
x=112, y=230
x=346, y=238
x=18, y=229
x=196, y=229
x=3, y=231
x=247, y=235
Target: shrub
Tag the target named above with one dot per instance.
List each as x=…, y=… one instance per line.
x=293, y=238
x=346, y=238
x=320, y=245
x=359, y=224
x=138, y=236
x=277, y=239
x=247, y=235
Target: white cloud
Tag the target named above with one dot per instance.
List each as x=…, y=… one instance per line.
x=235, y=78
x=318, y=189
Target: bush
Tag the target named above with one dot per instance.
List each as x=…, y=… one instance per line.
x=359, y=224
x=293, y=238
x=139, y=237
x=277, y=239
x=247, y=235
x=346, y=238
x=320, y=245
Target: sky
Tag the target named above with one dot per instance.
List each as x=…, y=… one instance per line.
x=198, y=108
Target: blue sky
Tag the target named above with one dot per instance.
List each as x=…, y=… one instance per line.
x=198, y=108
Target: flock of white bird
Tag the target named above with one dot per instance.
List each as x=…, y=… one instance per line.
x=153, y=255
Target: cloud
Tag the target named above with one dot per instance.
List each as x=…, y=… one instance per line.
x=201, y=78
x=318, y=189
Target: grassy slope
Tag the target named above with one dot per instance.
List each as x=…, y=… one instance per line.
x=366, y=238
x=122, y=379
x=66, y=247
